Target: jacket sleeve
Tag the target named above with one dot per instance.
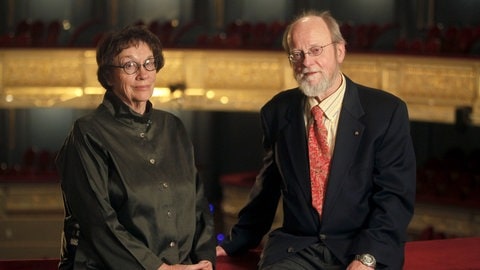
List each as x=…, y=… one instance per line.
x=256, y=217
x=204, y=243
x=393, y=197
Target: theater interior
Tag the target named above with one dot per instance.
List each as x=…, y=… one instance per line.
x=224, y=60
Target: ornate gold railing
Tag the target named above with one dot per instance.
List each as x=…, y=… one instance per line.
x=433, y=87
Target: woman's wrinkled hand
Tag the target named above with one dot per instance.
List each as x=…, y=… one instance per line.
x=201, y=265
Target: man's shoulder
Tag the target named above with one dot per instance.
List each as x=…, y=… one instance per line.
x=373, y=101
x=92, y=118
x=371, y=92
x=285, y=98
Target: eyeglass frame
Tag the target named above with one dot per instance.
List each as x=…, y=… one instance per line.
x=137, y=65
x=309, y=52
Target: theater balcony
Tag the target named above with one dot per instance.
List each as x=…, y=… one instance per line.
x=436, y=89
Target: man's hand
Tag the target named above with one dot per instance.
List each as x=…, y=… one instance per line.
x=357, y=265
x=220, y=251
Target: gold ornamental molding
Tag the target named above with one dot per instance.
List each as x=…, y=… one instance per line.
x=435, y=88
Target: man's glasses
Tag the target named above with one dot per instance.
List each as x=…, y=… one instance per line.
x=132, y=67
x=298, y=55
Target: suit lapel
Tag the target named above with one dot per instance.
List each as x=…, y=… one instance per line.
x=296, y=144
x=349, y=133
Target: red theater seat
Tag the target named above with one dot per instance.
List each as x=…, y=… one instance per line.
x=246, y=261
x=446, y=254
x=34, y=264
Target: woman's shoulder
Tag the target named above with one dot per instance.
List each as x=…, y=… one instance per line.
x=89, y=119
x=160, y=114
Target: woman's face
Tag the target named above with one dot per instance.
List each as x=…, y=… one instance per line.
x=137, y=88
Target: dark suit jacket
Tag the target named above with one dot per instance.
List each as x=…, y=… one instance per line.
x=371, y=189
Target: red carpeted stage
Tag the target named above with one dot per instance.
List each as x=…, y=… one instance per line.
x=448, y=254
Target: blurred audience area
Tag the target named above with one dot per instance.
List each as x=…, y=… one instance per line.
x=435, y=40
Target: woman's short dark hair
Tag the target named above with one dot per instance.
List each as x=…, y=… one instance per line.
x=115, y=42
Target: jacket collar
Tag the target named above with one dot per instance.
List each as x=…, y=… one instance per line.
x=122, y=111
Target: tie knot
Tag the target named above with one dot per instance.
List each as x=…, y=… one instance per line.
x=317, y=113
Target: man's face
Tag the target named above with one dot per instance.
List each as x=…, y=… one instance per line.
x=316, y=75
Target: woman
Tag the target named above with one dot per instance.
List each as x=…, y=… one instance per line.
x=131, y=192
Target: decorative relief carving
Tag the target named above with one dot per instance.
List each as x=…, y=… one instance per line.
x=28, y=96
x=32, y=198
x=390, y=76
x=30, y=68
x=444, y=84
x=90, y=70
x=252, y=72
x=364, y=72
x=432, y=87
x=174, y=70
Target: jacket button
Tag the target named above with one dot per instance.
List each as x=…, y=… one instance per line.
x=291, y=250
x=323, y=237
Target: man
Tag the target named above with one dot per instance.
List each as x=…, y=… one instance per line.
x=368, y=158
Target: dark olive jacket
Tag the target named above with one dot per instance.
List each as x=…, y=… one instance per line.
x=132, y=196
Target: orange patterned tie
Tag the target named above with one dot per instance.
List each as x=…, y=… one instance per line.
x=319, y=157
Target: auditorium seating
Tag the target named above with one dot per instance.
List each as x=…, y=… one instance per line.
x=37, y=165
x=32, y=34
x=52, y=36
x=453, y=179
x=87, y=34
x=435, y=40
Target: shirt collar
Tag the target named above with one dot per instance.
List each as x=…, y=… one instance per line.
x=121, y=110
x=331, y=105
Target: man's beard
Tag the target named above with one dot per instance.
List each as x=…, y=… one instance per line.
x=315, y=90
